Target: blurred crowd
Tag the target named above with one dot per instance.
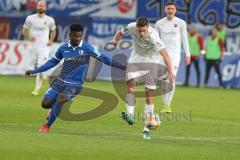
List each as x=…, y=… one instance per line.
x=212, y=49
x=26, y=5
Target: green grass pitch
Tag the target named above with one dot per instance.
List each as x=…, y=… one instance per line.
x=205, y=125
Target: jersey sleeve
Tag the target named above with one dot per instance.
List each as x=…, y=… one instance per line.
x=27, y=23
x=104, y=58
x=58, y=55
x=52, y=25
x=221, y=44
x=158, y=44
x=184, y=38
x=93, y=51
x=157, y=28
x=51, y=62
x=48, y=65
x=129, y=29
x=200, y=42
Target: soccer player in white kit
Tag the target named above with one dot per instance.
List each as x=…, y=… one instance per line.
x=173, y=32
x=36, y=29
x=147, y=49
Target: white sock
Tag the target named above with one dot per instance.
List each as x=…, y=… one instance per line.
x=167, y=97
x=149, y=108
x=130, y=109
x=45, y=77
x=39, y=81
x=145, y=129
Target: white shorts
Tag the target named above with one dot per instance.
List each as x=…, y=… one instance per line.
x=138, y=74
x=175, y=59
x=146, y=73
x=40, y=56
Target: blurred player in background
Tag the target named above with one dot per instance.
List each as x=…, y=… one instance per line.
x=173, y=32
x=36, y=29
x=147, y=48
x=196, y=45
x=76, y=55
x=221, y=33
x=214, y=55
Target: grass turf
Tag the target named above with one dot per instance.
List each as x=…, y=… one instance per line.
x=205, y=125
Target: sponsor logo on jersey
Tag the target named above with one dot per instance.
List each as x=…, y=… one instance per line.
x=75, y=59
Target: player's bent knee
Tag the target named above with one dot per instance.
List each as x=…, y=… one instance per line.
x=149, y=100
x=131, y=89
x=46, y=104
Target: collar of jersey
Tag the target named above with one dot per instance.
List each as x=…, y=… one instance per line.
x=70, y=46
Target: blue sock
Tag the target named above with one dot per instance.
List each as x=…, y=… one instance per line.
x=56, y=110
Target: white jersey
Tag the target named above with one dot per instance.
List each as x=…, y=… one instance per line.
x=144, y=49
x=39, y=28
x=173, y=33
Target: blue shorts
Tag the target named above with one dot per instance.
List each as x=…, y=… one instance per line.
x=59, y=87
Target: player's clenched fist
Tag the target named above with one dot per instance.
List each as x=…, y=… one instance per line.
x=28, y=72
x=113, y=42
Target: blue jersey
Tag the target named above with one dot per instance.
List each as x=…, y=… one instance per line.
x=76, y=62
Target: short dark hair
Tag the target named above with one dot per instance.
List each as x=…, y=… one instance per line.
x=142, y=21
x=76, y=28
x=170, y=3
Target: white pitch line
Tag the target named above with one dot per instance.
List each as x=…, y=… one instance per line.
x=216, y=121
x=228, y=139
x=155, y=137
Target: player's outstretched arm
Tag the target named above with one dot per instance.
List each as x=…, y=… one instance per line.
x=116, y=38
x=28, y=72
x=184, y=39
x=27, y=35
x=52, y=36
x=48, y=65
x=104, y=58
x=111, y=62
x=168, y=63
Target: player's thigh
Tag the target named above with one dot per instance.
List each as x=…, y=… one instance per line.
x=175, y=60
x=135, y=73
x=143, y=73
x=52, y=93
x=68, y=93
x=33, y=56
x=49, y=98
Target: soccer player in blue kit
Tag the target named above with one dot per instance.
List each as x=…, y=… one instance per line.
x=68, y=84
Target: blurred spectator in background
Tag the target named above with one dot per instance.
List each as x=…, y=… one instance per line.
x=28, y=6
x=196, y=46
x=31, y=5
x=4, y=28
x=36, y=29
x=214, y=54
x=221, y=33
